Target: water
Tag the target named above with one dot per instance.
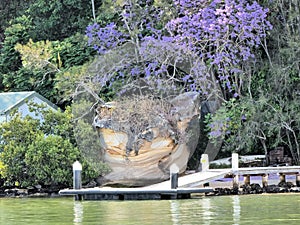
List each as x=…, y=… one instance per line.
x=246, y=209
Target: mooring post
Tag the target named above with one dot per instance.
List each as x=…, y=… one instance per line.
x=204, y=162
x=247, y=179
x=265, y=180
x=77, y=168
x=298, y=179
x=282, y=177
x=235, y=168
x=174, y=176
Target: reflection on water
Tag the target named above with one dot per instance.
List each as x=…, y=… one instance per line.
x=207, y=213
x=78, y=212
x=227, y=210
x=175, y=212
x=236, y=209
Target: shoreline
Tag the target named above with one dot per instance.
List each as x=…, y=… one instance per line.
x=223, y=186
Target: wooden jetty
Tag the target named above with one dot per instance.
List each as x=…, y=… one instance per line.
x=181, y=187
x=200, y=178
x=107, y=193
x=264, y=172
x=144, y=193
x=195, y=179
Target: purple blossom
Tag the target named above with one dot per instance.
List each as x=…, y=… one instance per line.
x=135, y=71
x=223, y=33
x=186, y=78
x=104, y=38
x=231, y=29
x=244, y=118
x=215, y=133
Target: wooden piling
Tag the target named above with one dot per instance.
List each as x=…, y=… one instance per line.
x=282, y=177
x=235, y=182
x=265, y=180
x=298, y=180
x=247, y=179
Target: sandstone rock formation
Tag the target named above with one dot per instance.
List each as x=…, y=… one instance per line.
x=142, y=140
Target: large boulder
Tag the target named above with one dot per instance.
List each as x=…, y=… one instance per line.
x=141, y=143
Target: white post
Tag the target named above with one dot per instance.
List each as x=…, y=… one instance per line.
x=174, y=170
x=235, y=168
x=204, y=162
x=77, y=168
x=235, y=161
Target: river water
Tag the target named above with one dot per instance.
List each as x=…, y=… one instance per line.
x=206, y=210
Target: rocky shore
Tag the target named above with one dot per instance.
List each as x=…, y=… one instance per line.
x=255, y=188
x=32, y=191
x=219, y=189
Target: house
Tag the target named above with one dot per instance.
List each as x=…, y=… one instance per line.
x=19, y=100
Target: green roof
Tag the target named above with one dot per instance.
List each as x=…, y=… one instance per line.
x=9, y=100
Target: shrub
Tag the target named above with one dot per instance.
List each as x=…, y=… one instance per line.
x=41, y=152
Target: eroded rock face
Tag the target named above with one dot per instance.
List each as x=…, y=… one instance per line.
x=141, y=149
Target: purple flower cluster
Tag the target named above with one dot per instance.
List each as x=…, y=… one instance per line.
x=138, y=22
x=104, y=38
x=223, y=32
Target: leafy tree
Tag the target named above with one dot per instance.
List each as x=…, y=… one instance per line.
x=14, y=142
x=24, y=68
x=9, y=10
x=51, y=66
x=10, y=60
x=48, y=161
x=41, y=152
x=222, y=34
x=270, y=101
x=56, y=20
x=205, y=46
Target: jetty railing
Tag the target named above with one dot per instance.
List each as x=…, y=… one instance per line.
x=264, y=172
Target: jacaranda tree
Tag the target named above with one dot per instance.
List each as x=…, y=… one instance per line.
x=216, y=38
x=223, y=34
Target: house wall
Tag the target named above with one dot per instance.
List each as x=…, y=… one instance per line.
x=24, y=109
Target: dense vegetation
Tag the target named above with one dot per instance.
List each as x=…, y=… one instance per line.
x=42, y=152
x=251, y=49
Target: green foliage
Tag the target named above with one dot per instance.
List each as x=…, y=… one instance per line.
x=50, y=67
x=9, y=10
x=38, y=55
x=228, y=118
x=90, y=146
x=75, y=56
x=87, y=137
x=58, y=56
x=17, y=33
x=41, y=152
x=49, y=160
x=259, y=125
x=29, y=61
x=10, y=60
x=74, y=51
x=56, y=20
x=270, y=101
x=67, y=81
x=16, y=136
x=2, y=170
